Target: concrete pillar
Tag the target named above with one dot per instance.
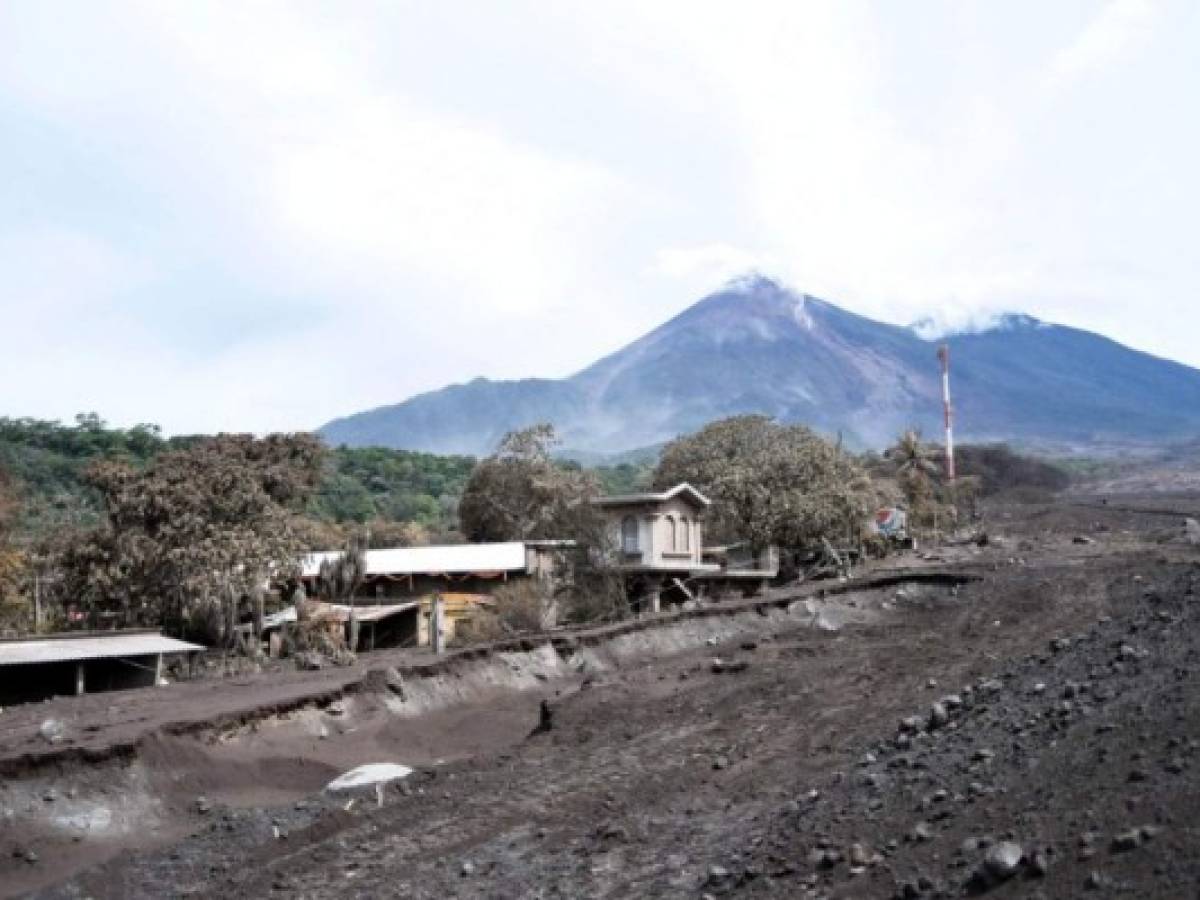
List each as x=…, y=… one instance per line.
x=437, y=637
x=656, y=599
x=80, y=680
x=158, y=670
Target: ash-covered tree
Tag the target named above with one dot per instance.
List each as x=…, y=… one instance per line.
x=185, y=538
x=12, y=560
x=770, y=483
x=522, y=493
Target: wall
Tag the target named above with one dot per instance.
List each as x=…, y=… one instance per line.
x=654, y=532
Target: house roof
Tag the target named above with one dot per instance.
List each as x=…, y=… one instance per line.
x=69, y=648
x=339, y=612
x=680, y=490
x=448, y=559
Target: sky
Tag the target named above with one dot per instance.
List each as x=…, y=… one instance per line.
x=257, y=216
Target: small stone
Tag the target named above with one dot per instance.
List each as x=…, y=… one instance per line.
x=938, y=715
x=53, y=731
x=859, y=856
x=1003, y=860
x=1149, y=832
x=921, y=832
x=717, y=874
x=721, y=762
x=911, y=724
x=1096, y=882
x=1039, y=865
x=1138, y=775
x=467, y=868
x=1126, y=840
x=983, y=754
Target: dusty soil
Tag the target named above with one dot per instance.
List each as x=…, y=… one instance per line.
x=666, y=775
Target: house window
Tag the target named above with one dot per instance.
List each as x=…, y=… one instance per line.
x=672, y=534
x=629, y=534
x=685, y=535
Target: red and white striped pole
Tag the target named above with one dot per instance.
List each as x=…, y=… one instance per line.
x=944, y=356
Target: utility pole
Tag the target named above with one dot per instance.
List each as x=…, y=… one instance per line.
x=944, y=357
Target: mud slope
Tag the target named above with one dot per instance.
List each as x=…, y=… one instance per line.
x=66, y=810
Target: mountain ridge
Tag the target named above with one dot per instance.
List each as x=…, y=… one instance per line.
x=758, y=347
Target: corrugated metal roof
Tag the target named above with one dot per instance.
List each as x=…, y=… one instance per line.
x=68, y=649
x=340, y=612
x=447, y=559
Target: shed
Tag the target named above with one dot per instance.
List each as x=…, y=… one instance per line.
x=79, y=663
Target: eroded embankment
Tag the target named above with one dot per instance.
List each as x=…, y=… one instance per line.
x=86, y=806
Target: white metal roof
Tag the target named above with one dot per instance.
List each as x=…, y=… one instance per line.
x=97, y=646
x=447, y=559
x=660, y=497
x=340, y=611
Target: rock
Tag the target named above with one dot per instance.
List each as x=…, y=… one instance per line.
x=912, y=724
x=938, y=716
x=1126, y=841
x=1039, y=865
x=1003, y=860
x=983, y=754
x=30, y=856
x=1082, y=539
x=50, y=796
x=53, y=731
x=467, y=868
x=859, y=855
x=720, y=666
x=721, y=762
x=203, y=805
x=1059, y=644
x=1096, y=882
x=1191, y=531
x=717, y=874
x=1149, y=832
x=921, y=832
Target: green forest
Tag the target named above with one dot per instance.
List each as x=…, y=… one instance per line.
x=46, y=460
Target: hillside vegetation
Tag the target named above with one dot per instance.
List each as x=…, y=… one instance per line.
x=45, y=462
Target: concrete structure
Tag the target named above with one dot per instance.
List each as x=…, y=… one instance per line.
x=659, y=546
x=86, y=662
x=658, y=533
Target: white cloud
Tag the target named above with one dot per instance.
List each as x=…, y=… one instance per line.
x=363, y=201
x=1120, y=29
x=710, y=264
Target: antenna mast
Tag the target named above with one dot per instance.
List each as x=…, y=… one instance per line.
x=944, y=357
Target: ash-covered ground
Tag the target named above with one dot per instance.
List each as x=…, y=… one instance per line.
x=1032, y=732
